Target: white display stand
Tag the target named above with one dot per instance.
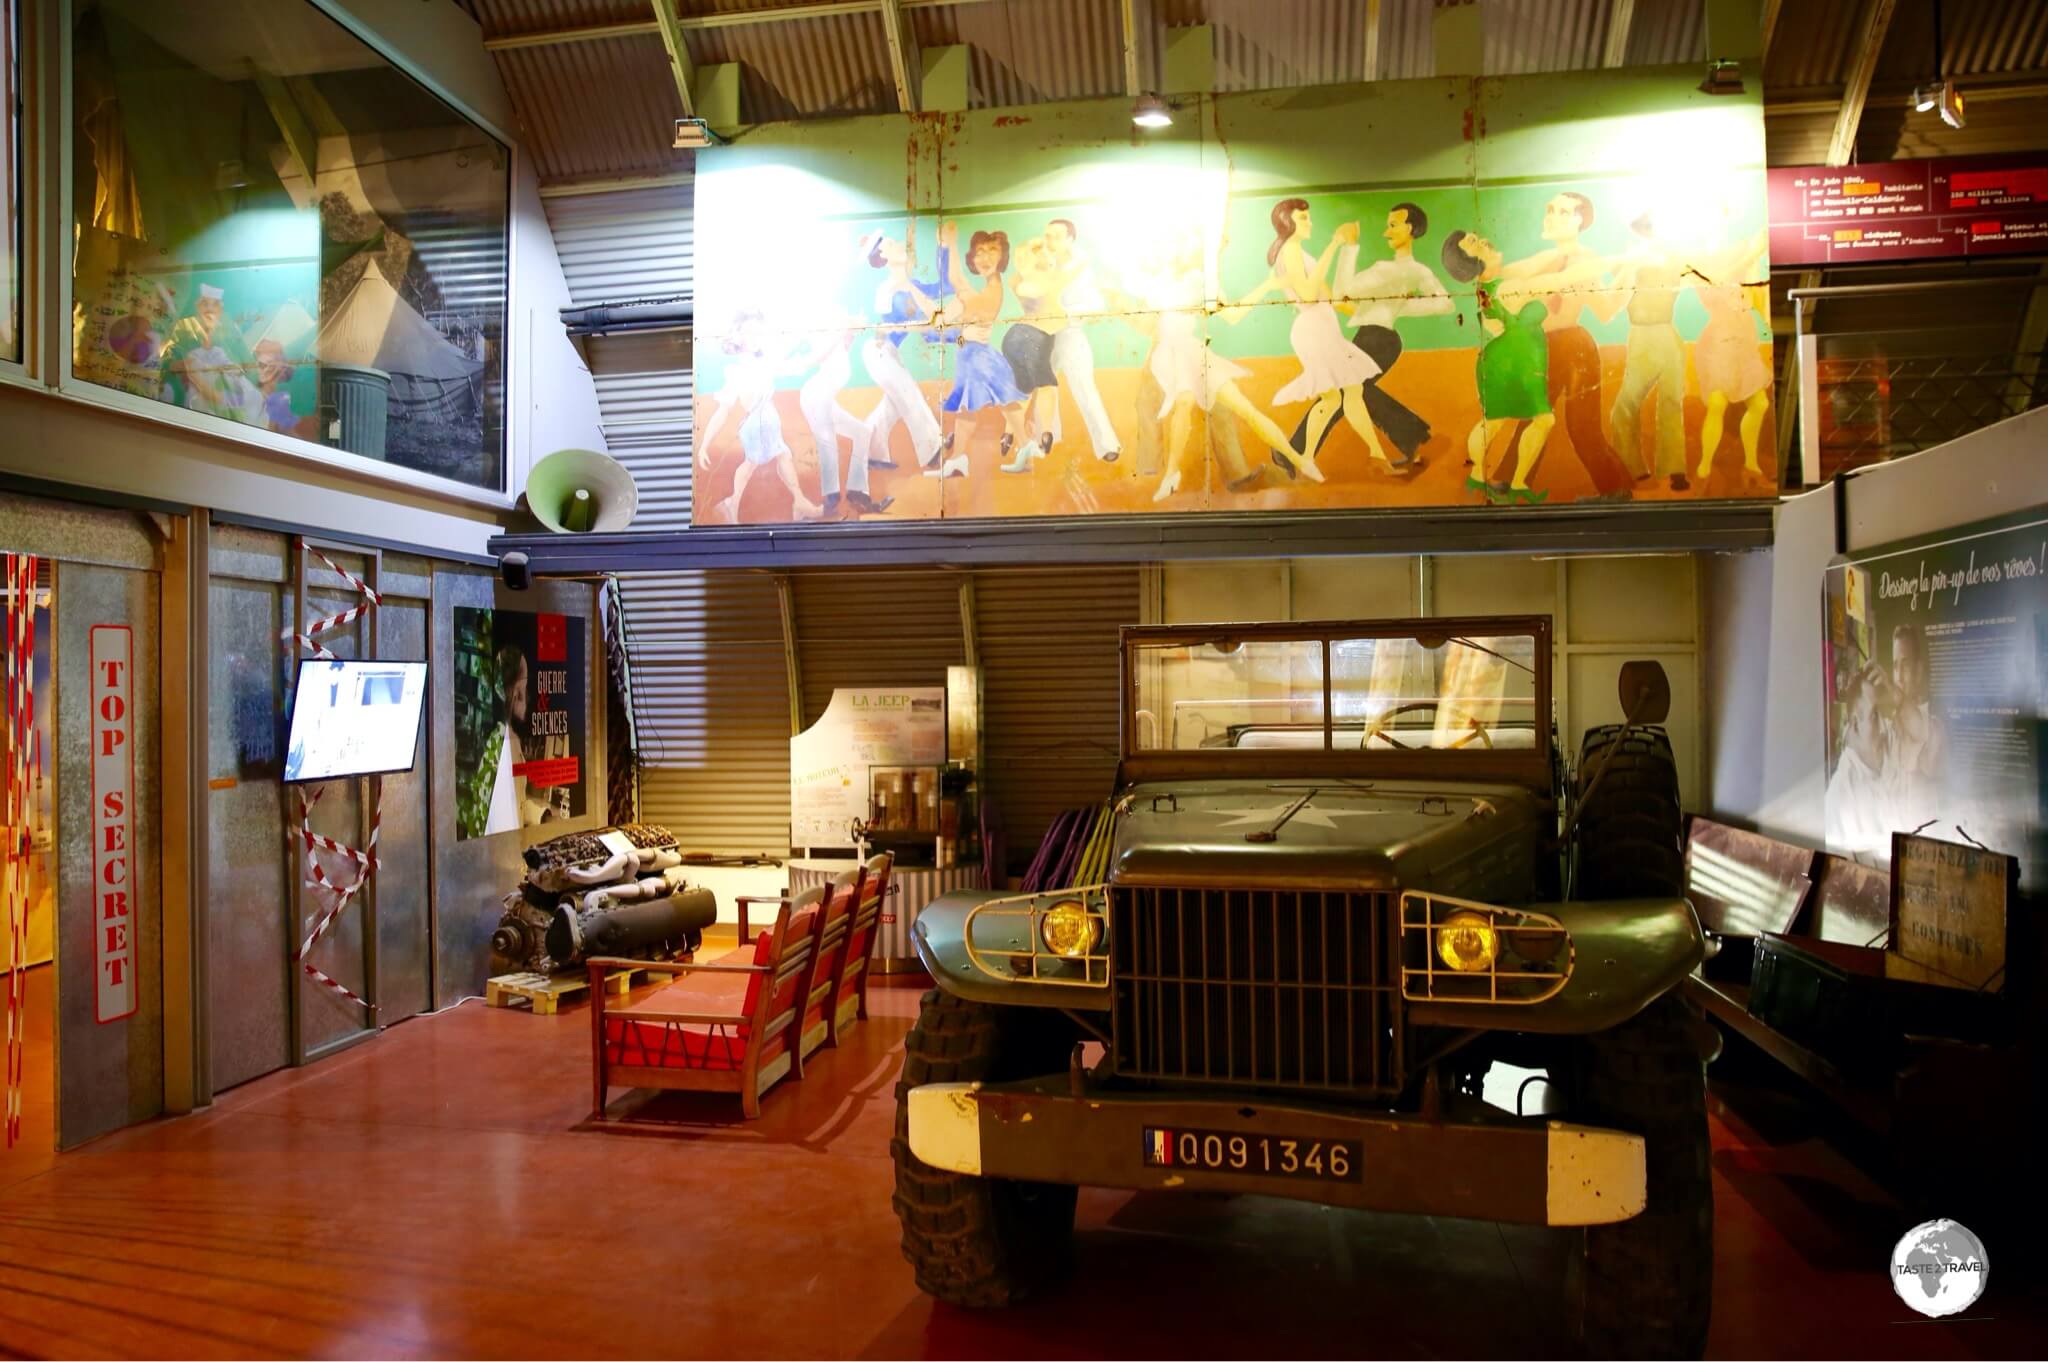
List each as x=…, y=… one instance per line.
x=830, y=760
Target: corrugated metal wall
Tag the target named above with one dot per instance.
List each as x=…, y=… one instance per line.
x=858, y=628
x=712, y=703
x=620, y=246
x=1048, y=645
x=632, y=243
x=710, y=689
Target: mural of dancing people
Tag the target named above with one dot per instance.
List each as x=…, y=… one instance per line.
x=1518, y=344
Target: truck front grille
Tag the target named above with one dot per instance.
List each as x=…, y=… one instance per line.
x=1255, y=988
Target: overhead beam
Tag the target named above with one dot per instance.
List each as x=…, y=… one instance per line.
x=301, y=147
x=905, y=66
x=738, y=18
x=670, y=23
x=1877, y=21
x=1769, y=24
x=1128, y=16
x=1660, y=526
x=1621, y=16
x=1977, y=90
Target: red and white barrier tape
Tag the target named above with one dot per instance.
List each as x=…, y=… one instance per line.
x=371, y=600
x=18, y=810
x=365, y=860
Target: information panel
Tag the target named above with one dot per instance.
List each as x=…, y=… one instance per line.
x=829, y=762
x=1909, y=210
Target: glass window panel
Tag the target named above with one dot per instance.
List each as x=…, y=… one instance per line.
x=10, y=180
x=277, y=227
x=1457, y=693
x=1228, y=694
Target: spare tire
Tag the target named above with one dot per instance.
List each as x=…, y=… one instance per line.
x=1626, y=841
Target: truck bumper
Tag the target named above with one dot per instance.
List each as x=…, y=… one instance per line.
x=1533, y=1173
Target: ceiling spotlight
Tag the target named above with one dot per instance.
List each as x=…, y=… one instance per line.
x=695, y=132
x=1723, y=78
x=1925, y=97
x=1951, y=104
x=1150, y=111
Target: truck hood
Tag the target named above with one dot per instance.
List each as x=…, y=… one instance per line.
x=1350, y=834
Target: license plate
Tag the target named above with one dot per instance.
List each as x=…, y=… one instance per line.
x=1279, y=1156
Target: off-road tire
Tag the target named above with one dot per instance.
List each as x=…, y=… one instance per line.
x=1626, y=840
x=975, y=1241
x=1645, y=1285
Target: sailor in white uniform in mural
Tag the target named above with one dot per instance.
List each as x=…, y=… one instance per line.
x=1072, y=357
x=904, y=304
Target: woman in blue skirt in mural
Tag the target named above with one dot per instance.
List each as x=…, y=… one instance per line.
x=982, y=377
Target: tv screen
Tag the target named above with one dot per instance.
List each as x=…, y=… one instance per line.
x=354, y=719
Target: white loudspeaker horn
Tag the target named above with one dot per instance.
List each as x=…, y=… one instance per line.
x=576, y=491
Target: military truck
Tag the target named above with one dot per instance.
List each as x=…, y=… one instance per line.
x=1350, y=875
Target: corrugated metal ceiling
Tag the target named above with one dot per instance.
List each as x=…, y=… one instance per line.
x=602, y=108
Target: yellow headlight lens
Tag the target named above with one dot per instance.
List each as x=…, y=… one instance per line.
x=1068, y=929
x=1466, y=941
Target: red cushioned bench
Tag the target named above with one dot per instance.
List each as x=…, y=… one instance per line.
x=727, y=1026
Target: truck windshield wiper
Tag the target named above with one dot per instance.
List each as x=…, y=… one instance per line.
x=1482, y=648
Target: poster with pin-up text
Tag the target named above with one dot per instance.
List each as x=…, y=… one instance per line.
x=1934, y=672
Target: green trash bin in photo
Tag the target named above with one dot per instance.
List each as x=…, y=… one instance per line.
x=355, y=401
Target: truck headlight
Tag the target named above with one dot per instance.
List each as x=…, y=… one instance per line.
x=1466, y=941
x=1069, y=930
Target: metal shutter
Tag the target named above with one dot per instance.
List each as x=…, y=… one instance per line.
x=856, y=628
x=711, y=693
x=643, y=397
x=636, y=243
x=709, y=685
x=1048, y=642
x=615, y=247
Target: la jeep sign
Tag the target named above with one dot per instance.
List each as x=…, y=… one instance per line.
x=113, y=794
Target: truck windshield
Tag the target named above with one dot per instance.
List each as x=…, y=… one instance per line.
x=1447, y=692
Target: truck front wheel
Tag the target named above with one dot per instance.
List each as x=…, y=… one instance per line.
x=1644, y=1287
x=976, y=1241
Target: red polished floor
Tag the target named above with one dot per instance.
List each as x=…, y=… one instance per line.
x=438, y=1192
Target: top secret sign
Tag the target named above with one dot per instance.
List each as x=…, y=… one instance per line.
x=113, y=825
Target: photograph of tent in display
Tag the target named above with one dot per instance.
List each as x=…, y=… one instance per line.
x=1049, y=316
x=286, y=232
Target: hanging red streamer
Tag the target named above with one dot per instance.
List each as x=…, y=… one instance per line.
x=18, y=814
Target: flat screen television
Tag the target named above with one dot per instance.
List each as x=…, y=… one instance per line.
x=354, y=719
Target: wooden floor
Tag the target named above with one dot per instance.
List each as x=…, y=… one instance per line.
x=438, y=1192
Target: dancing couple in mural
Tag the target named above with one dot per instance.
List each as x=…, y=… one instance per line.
x=1437, y=366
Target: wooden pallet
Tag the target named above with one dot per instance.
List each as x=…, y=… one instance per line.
x=545, y=992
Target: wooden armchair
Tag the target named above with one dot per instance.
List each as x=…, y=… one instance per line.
x=717, y=1027
x=849, y=995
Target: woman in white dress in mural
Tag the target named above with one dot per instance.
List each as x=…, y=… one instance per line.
x=1332, y=368
x=753, y=363
x=1190, y=375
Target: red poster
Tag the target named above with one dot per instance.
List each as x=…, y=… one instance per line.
x=1909, y=210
